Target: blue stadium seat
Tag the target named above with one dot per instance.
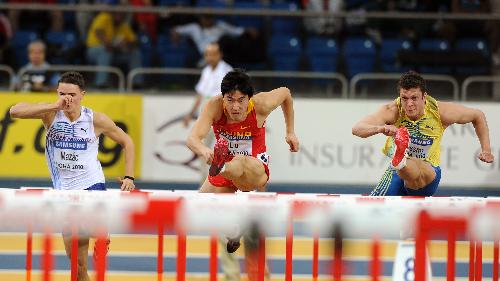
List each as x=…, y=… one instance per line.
x=59, y=44
x=389, y=49
x=437, y=46
x=19, y=43
x=172, y=54
x=285, y=52
x=322, y=54
x=360, y=55
x=284, y=25
x=248, y=21
x=146, y=48
x=476, y=46
x=174, y=3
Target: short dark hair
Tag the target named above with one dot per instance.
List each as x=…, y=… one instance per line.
x=410, y=80
x=73, y=77
x=237, y=80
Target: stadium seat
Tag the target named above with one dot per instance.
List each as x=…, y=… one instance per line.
x=146, y=48
x=285, y=52
x=248, y=21
x=436, y=47
x=172, y=54
x=174, y=3
x=360, y=55
x=19, y=43
x=284, y=25
x=476, y=47
x=60, y=44
x=389, y=50
x=322, y=54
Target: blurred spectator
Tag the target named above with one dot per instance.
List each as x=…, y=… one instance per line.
x=37, y=77
x=327, y=26
x=207, y=31
x=359, y=25
x=147, y=22
x=451, y=30
x=41, y=21
x=7, y=55
x=111, y=41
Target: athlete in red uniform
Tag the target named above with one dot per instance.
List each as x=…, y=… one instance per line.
x=239, y=159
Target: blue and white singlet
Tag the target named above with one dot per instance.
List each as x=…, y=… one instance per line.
x=71, y=151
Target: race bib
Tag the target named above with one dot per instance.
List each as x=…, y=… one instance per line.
x=69, y=155
x=240, y=147
x=419, y=148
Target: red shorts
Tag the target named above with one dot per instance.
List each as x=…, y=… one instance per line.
x=221, y=181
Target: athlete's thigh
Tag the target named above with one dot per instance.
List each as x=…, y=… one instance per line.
x=207, y=187
x=427, y=173
x=254, y=176
x=83, y=246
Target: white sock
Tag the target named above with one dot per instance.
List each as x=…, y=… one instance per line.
x=401, y=164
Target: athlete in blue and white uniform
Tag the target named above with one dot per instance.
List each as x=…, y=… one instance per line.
x=72, y=143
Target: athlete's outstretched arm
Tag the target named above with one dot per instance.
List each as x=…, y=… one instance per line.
x=452, y=113
x=103, y=124
x=266, y=102
x=202, y=127
x=379, y=122
x=25, y=110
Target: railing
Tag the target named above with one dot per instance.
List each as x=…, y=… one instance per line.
x=254, y=74
x=474, y=79
x=395, y=76
x=249, y=12
x=10, y=72
x=86, y=68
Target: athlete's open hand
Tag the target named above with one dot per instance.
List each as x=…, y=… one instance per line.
x=293, y=142
x=486, y=156
x=388, y=130
x=126, y=184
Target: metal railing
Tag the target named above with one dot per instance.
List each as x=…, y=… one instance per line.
x=11, y=73
x=254, y=74
x=186, y=10
x=395, y=76
x=85, y=68
x=474, y=79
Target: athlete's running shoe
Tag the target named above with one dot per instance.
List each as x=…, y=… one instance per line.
x=232, y=244
x=401, y=140
x=96, y=255
x=221, y=156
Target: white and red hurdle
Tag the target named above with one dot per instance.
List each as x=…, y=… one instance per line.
x=322, y=215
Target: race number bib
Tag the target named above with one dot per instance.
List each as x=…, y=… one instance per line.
x=419, y=148
x=240, y=147
x=69, y=155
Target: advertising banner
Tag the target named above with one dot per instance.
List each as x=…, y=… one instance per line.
x=22, y=141
x=329, y=153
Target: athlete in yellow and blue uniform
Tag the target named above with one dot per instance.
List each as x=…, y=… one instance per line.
x=425, y=140
x=414, y=124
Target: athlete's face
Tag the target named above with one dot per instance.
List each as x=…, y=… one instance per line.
x=236, y=105
x=66, y=89
x=413, y=102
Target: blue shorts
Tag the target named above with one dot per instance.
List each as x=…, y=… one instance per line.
x=97, y=186
x=392, y=185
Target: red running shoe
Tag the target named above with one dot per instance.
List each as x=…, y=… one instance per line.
x=221, y=156
x=96, y=255
x=401, y=140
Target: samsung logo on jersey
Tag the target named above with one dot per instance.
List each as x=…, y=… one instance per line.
x=75, y=145
x=423, y=142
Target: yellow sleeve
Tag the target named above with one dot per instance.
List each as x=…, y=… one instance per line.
x=101, y=21
x=127, y=33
